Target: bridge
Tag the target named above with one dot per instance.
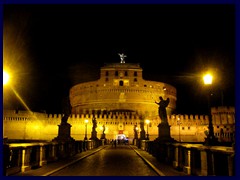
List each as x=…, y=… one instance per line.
x=101, y=158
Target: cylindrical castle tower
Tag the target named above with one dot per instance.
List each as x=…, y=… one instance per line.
x=121, y=88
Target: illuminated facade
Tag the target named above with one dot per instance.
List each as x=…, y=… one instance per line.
x=41, y=126
x=121, y=88
x=120, y=101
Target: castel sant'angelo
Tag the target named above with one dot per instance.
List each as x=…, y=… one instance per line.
x=120, y=101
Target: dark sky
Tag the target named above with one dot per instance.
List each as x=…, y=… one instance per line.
x=50, y=48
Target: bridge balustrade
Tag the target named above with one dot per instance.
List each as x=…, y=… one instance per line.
x=194, y=159
x=21, y=157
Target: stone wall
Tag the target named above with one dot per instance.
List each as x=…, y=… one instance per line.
x=41, y=126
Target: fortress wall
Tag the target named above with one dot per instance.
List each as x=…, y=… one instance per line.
x=42, y=126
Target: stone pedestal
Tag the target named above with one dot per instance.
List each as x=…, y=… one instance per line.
x=64, y=133
x=164, y=133
x=211, y=141
x=142, y=135
x=66, y=144
x=103, y=136
x=94, y=135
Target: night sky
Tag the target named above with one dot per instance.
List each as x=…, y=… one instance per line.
x=50, y=48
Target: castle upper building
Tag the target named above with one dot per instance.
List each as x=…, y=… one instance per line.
x=121, y=88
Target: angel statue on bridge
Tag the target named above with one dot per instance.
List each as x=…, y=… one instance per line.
x=162, y=109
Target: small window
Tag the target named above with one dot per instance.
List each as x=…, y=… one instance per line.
x=135, y=73
x=182, y=128
x=116, y=73
x=106, y=73
x=126, y=73
x=135, y=79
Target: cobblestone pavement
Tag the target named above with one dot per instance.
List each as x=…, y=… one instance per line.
x=48, y=169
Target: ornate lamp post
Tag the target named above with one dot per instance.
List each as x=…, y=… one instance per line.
x=147, y=122
x=86, y=122
x=211, y=139
x=136, y=132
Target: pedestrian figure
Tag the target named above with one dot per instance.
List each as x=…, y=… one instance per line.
x=112, y=142
x=115, y=143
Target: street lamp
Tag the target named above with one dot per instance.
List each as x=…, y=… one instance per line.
x=179, y=123
x=86, y=122
x=136, y=132
x=6, y=77
x=211, y=139
x=147, y=122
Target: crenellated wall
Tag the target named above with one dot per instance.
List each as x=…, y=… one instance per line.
x=41, y=126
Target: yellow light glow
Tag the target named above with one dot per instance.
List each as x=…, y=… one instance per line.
x=6, y=77
x=86, y=121
x=36, y=127
x=136, y=128
x=147, y=121
x=207, y=79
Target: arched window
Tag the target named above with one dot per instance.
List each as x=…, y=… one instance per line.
x=120, y=83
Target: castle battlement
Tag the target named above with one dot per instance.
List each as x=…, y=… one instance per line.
x=116, y=116
x=38, y=125
x=222, y=109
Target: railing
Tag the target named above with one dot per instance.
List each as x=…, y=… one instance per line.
x=194, y=159
x=20, y=157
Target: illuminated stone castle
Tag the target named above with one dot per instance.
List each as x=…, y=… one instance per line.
x=120, y=100
x=121, y=88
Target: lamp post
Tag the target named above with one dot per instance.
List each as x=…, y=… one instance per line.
x=179, y=123
x=147, y=122
x=86, y=122
x=136, y=132
x=211, y=139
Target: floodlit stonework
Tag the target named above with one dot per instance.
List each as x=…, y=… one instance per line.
x=41, y=126
x=120, y=100
x=121, y=88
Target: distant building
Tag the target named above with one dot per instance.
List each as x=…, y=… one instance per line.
x=120, y=101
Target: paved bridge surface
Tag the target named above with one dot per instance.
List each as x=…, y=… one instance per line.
x=122, y=160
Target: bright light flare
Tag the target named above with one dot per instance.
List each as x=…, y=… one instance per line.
x=147, y=121
x=6, y=77
x=86, y=121
x=207, y=79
